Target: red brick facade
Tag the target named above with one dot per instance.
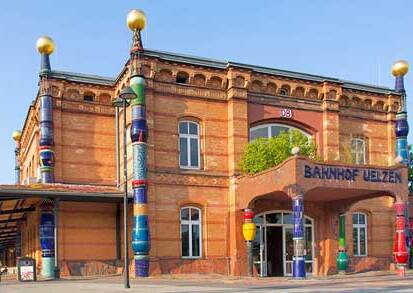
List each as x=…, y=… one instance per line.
x=226, y=100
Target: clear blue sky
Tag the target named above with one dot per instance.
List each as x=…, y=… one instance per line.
x=355, y=40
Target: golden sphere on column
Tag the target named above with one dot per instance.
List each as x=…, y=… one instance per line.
x=17, y=135
x=400, y=68
x=136, y=20
x=45, y=45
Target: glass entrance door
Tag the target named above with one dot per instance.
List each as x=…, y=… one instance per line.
x=288, y=250
x=273, y=246
x=259, y=251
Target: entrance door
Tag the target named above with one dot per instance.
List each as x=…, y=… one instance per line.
x=274, y=251
x=288, y=250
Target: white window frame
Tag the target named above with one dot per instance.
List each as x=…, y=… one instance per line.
x=269, y=125
x=358, y=153
x=188, y=137
x=359, y=227
x=191, y=223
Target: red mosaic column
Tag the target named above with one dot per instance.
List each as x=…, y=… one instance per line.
x=400, y=253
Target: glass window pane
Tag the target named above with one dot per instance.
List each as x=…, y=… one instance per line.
x=288, y=218
x=362, y=241
x=194, y=214
x=196, y=250
x=194, y=152
x=274, y=218
x=355, y=242
x=308, y=243
x=193, y=128
x=185, y=239
x=276, y=130
x=185, y=214
x=183, y=151
x=259, y=132
x=307, y=221
x=183, y=127
x=258, y=219
x=355, y=219
x=362, y=219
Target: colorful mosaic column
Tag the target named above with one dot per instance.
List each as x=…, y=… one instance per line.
x=399, y=70
x=249, y=231
x=298, y=237
x=139, y=133
x=45, y=46
x=342, y=257
x=400, y=253
x=16, y=137
x=47, y=239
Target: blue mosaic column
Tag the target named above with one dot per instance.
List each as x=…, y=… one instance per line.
x=47, y=241
x=45, y=46
x=298, y=237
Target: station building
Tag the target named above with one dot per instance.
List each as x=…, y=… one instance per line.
x=200, y=115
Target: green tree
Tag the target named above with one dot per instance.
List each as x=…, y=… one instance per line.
x=264, y=153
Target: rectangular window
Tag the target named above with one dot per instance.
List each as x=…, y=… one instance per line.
x=191, y=239
x=358, y=151
x=189, y=148
x=359, y=234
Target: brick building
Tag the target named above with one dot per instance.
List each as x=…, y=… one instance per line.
x=200, y=115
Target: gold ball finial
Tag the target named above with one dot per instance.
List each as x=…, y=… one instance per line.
x=136, y=20
x=400, y=68
x=45, y=45
x=16, y=135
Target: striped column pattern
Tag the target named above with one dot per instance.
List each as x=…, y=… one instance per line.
x=298, y=237
x=47, y=244
x=139, y=133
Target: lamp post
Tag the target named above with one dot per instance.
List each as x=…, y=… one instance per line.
x=125, y=95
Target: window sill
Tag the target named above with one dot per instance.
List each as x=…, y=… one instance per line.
x=191, y=257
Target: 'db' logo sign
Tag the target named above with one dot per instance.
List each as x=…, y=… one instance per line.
x=286, y=113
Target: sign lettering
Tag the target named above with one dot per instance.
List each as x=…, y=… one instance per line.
x=352, y=174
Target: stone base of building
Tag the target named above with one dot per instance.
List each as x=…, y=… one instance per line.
x=90, y=268
x=369, y=263
x=166, y=266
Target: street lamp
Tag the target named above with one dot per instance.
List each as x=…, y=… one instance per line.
x=125, y=95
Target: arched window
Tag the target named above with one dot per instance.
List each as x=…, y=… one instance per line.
x=358, y=150
x=271, y=130
x=359, y=234
x=191, y=232
x=189, y=149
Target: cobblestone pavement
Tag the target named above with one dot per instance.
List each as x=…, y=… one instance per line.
x=368, y=282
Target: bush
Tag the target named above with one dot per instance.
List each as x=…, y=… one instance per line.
x=264, y=153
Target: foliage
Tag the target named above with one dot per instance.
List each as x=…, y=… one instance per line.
x=264, y=153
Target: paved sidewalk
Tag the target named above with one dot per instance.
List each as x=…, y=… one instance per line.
x=368, y=282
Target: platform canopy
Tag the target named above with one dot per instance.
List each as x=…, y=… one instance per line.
x=18, y=200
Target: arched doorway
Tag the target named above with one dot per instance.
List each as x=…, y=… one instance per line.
x=273, y=248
